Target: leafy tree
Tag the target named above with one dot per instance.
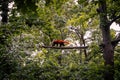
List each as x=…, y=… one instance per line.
x=107, y=46
x=35, y=26
x=108, y=14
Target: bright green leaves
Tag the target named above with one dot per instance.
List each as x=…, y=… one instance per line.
x=112, y=33
x=78, y=19
x=59, y=21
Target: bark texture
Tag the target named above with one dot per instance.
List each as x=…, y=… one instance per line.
x=108, y=51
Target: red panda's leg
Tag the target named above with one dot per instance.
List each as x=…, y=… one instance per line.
x=57, y=44
x=53, y=44
x=62, y=44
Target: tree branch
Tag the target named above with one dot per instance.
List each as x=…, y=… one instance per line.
x=82, y=47
x=115, y=42
x=114, y=19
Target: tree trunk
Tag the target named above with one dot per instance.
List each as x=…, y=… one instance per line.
x=108, y=51
x=5, y=10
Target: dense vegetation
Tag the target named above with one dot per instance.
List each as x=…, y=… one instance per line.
x=25, y=28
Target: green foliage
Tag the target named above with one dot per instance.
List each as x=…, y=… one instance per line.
x=112, y=33
x=82, y=1
x=7, y=64
x=56, y=3
x=26, y=6
x=113, y=9
x=117, y=70
x=21, y=55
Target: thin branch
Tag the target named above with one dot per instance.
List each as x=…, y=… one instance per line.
x=115, y=42
x=82, y=47
x=114, y=19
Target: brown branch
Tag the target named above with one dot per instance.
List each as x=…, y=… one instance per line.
x=115, y=42
x=114, y=19
x=84, y=47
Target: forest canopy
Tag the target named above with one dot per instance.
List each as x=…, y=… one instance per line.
x=86, y=47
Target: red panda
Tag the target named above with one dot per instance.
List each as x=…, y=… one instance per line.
x=59, y=43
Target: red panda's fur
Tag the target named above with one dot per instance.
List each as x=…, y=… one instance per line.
x=59, y=43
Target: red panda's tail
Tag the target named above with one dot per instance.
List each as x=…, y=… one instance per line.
x=66, y=42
